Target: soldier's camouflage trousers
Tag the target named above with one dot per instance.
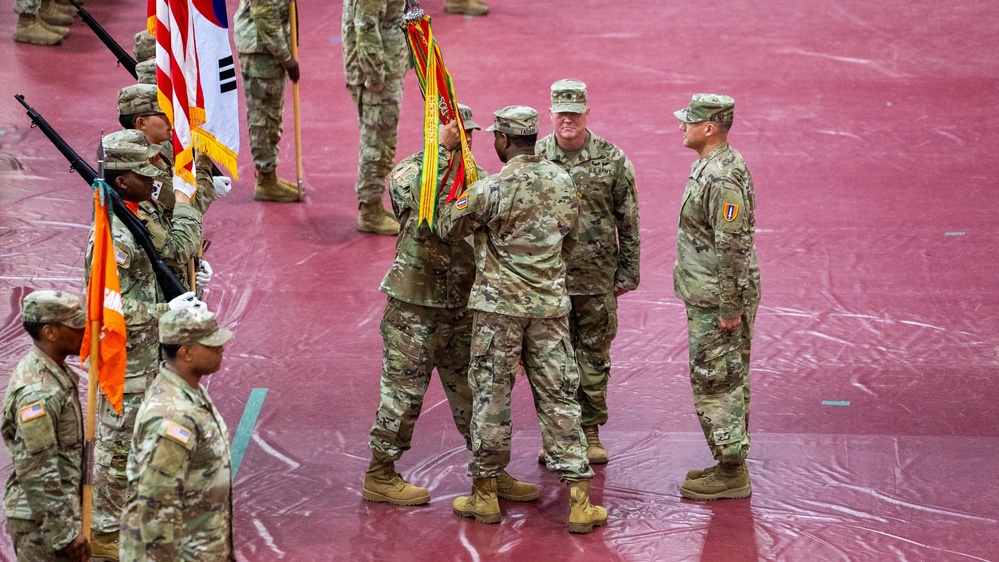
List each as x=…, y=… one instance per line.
x=113, y=442
x=263, y=84
x=416, y=340
x=719, y=377
x=498, y=344
x=593, y=325
x=27, y=6
x=29, y=544
x=378, y=117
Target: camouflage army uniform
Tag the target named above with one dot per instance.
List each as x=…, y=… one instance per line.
x=605, y=258
x=523, y=219
x=180, y=476
x=375, y=54
x=426, y=324
x=262, y=37
x=717, y=274
x=43, y=430
x=141, y=307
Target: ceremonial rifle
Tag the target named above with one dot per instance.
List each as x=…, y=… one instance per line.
x=168, y=282
x=124, y=58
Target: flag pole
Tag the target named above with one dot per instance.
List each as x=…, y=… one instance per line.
x=293, y=7
x=90, y=427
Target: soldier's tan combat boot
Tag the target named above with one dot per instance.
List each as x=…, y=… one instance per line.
x=697, y=473
x=509, y=488
x=383, y=484
x=482, y=505
x=727, y=481
x=103, y=546
x=30, y=30
x=268, y=189
x=51, y=13
x=62, y=32
x=288, y=185
x=375, y=219
x=584, y=516
x=595, y=452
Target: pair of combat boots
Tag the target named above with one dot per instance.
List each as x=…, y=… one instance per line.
x=483, y=505
x=48, y=27
x=466, y=7
x=722, y=481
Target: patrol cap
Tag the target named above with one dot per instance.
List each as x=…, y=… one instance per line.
x=517, y=120
x=568, y=96
x=54, y=307
x=123, y=150
x=144, y=47
x=466, y=117
x=192, y=325
x=145, y=72
x=139, y=100
x=708, y=107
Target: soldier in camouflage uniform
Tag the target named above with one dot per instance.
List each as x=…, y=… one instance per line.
x=127, y=169
x=179, y=468
x=263, y=40
x=523, y=220
x=42, y=22
x=43, y=429
x=717, y=276
x=604, y=264
x=426, y=325
x=375, y=58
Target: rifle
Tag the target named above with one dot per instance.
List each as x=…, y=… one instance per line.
x=168, y=282
x=124, y=58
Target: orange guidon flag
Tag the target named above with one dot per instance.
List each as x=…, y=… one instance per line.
x=104, y=308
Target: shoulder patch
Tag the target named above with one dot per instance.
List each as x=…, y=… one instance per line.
x=731, y=211
x=32, y=411
x=462, y=202
x=178, y=433
x=120, y=256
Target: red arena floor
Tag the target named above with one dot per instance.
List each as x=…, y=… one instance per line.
x=869, y=128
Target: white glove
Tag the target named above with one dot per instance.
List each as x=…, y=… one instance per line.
x=204, y=274
x=222, y=186
x=185, y=301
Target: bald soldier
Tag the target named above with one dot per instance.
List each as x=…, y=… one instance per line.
x=179, y=466
x=43, y=430
x=717, y=276
x=604, y=264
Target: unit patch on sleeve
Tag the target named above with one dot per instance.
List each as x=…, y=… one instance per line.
x=731, y=211
x=462, y=202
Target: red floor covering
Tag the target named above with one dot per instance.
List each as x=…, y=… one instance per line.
x=870, y=132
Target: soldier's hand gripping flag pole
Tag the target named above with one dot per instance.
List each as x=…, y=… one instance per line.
x=293, y=7
x=104, y=336
x=441, y=107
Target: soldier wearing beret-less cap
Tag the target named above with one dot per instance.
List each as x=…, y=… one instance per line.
x=717, y=276
x=523, y=223
x=179, y=466
x=127, y=170
x=604, y=264
x=43, y=429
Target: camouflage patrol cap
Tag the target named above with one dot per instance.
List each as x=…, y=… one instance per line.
x=54, y=307
x=517, y=120
x=708, y=107
x=139, y=100
x=144, y=47
x=123, y=150
x=466, y=117
x=145, y=72
x=568, y=96
x=192, y=325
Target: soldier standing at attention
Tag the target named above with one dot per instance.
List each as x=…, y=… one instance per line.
x=128, y=171
x=375, y=58
x=604, y=264
x=717, y=276
x=263, y=40
x=523, y=221
x=43, y=430
x=426, y=325
x=179, y=468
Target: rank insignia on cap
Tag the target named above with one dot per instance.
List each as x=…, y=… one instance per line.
x=32, y=411
x=462, y=202
x=731, y=211
x=178, y=433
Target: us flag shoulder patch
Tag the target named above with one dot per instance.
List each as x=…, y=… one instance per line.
x=120, y=257
x=731, y=211
x=32, y=411
x=178, y=433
